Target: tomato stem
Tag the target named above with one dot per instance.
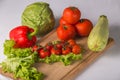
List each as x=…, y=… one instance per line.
x=72, y=8
x=81, y=20
x=65, y=27
x=55, y=47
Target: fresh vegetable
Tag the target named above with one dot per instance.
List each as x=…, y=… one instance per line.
x=83, y=27
x=65, y=59
x=49, y=46
x=62, y=21
x=56, y=50
x=44, y=53
x=10, y=51
x=22, y=35
x=66, y=50
x=71, y=42
x=66, y=32
x=71, y=15
x=36, y=48
x=19, y=62
x=98, y=37
x=60, y=44
x=21, y=68
x=40, y=17
x=61, y=51
x=76, y=49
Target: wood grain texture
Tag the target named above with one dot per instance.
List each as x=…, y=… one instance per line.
x=57, y=71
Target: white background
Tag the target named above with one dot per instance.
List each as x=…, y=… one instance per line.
x=107, y=67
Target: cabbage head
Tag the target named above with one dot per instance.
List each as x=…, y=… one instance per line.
x=40, y=17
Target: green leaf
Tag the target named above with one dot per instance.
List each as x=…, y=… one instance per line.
x=19, y=62
x=9, y=51
x=66, y=59
x=22, y=67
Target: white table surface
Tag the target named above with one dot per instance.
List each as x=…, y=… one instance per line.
x=107, y=67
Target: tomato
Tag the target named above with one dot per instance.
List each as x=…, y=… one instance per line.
x=71, y=15
x=66, y=31
x=62, y=21
x=76, y=49
x=60, y=44
x=49, y=46
x=84, y=26
x=66, y=50
x=56, y=50
x=71, y=42
x=36, y=48
x=44, y=53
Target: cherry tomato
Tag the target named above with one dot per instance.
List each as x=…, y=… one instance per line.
x=60, y=44
x=49, y=46
x=84, y=26
x=76, y=49
x=71, y=15
x=36, y=48
x=71, y=42
x=56, y=50
x=66, y=50
x=66, y=32
x=44, y=53
x=62, y=21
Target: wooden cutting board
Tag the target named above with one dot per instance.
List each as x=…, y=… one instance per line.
x=57, y=71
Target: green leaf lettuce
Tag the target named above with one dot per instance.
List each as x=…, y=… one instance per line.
x=20, y=62
x=66, y=59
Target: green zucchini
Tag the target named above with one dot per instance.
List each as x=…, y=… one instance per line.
x=98, y=37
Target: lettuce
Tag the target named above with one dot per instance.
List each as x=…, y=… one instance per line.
x=20, y=61
x=10, y=52
x=21, y=68
x=65, y=59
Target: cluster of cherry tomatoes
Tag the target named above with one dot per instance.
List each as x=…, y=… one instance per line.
x=71, y=24
x=57, y=48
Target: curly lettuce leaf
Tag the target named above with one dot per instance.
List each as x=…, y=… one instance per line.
x=22, y=67
x=66, y=59
x=19, y=62
x=9, y=51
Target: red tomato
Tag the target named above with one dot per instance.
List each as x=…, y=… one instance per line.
x=66, y=50
x=36, y=48
x=60, y=44
x=49, y=46
x=62, y=21
x=66, y=32
x=84, y=26
x=71, y=15
x=71, y=42
x=76, y=49
x=56, y=50
x=44, y=53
